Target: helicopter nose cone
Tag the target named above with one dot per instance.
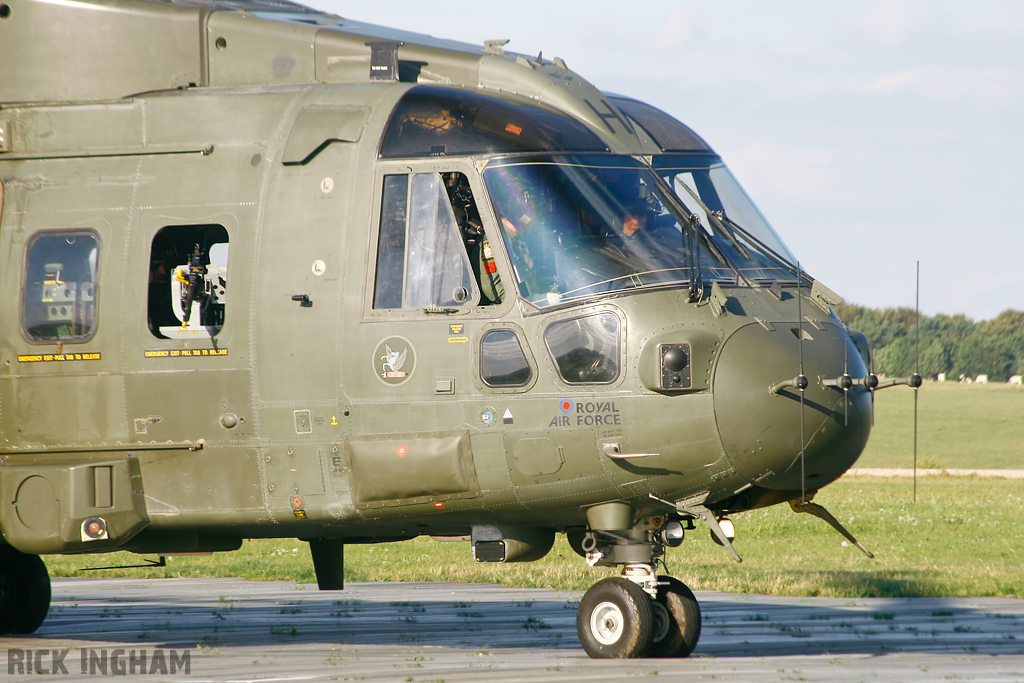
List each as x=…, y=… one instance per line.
x=760, y=428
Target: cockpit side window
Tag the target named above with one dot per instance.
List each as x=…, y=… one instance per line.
x=59, y=295
x=188, y=281
x=422, y=260
x=391, y=243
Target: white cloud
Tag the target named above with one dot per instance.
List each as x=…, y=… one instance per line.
x=892, y=23
x=678, y=30
x=984, y=86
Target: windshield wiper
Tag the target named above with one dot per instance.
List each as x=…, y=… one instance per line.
x=718, y=217
x=688, y=235
x=765, y=249
x=727, y=226
x=696, y=230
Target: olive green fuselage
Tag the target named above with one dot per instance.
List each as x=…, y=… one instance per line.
x=286, y=422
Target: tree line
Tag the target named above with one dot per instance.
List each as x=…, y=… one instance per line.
x=950, y=344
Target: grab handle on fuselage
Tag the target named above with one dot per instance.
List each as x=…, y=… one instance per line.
x=613, y=451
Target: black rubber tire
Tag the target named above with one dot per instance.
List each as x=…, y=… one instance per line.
x=24, y=592
x=614, y=620
x=684, y=619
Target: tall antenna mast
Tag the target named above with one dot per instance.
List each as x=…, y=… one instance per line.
x=801, y=379
x=917, y=357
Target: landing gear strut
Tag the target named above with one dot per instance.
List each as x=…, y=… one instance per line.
x=24, y=592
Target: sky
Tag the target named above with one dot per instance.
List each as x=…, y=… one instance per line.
x=873, y=135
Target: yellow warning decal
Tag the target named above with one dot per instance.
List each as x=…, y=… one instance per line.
x=57, y=357
x=186, y=353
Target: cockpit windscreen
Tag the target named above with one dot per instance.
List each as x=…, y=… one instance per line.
x=697, y=175
x=577, y=227
x=732, y=221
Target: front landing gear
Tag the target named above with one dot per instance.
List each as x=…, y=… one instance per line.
x=617, y=619
x=639, y=614
x=24, y=592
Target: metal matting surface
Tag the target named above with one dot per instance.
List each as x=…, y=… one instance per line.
x=237, y=630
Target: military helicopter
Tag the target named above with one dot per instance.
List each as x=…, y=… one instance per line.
x=269, y=272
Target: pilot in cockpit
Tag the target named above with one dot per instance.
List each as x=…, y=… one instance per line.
x=644, y=233
x=635, y=220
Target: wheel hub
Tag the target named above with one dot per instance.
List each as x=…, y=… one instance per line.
x=606, y=623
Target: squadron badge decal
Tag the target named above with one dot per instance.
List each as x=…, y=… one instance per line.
x=394, y=360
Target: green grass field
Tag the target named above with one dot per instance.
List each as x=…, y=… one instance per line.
x=963, y=536
x=960, y=426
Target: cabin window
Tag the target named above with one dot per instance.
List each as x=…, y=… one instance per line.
x=188, y=281
x=60, y=286
x=585, y=349
x=429, y=226
x=503, y=362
